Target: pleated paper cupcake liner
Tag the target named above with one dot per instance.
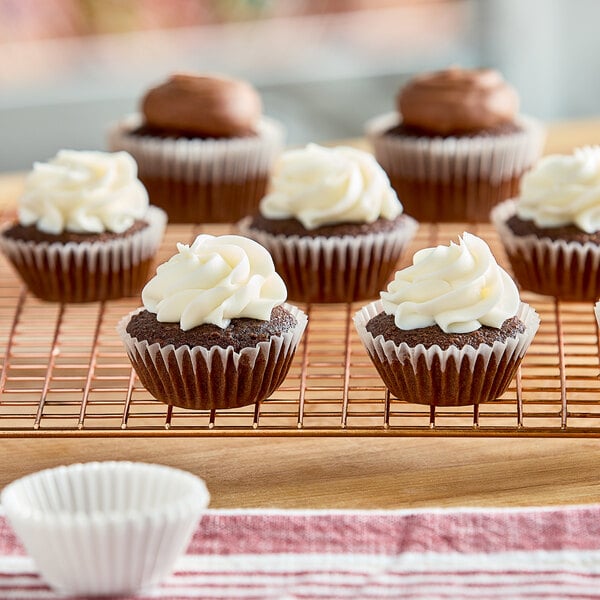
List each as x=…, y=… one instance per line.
x=213, y=378
x=455, y=178
x=88, y=271
x=563, y=269
x=452, y=377
x=203, y=180
x=105, y=528
x=334, y=269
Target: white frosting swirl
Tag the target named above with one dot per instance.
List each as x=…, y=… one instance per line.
x=459, y=287
x=214, y=280
x=321, y=186
x=563, y=190
x=83, y=192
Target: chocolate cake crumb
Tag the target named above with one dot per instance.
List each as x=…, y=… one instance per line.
x=417, y=132
x=383, y=324
x=240, y=333
x=292, y=226
x=567, y=233
x=153, y=131
x=31, y=233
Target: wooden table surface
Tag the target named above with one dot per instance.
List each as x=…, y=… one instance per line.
x=351, y=472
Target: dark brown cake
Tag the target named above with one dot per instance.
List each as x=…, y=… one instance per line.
x=333, y=263
x=204, y=151
x=159, y=132
x=562, y=262
x=456, y=146
x=239, y=334
x=403, y=129
x=84, y=267
x=30, y=233
x=292, y=226
x=448, y=386
x=466, y=199
x=427, y=366
x=207, y=201
x=383, y=324
x=567, y=233
x=210, y=368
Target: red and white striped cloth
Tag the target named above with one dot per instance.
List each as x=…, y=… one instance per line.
x=473, y=554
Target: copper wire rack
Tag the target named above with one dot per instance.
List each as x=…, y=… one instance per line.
x=64, y=372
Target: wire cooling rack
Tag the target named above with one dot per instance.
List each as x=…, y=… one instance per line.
x=64, y=372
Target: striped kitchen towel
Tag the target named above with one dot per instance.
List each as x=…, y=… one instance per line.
x=416, y=554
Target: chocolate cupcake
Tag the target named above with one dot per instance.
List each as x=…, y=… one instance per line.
x=204, y=150
x=551, y=232
x=450, y=330
x=332, y=223
x=85, y=231
x=214, y=331
x=456, y=145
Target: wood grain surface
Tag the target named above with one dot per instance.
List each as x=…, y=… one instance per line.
x=353, y=472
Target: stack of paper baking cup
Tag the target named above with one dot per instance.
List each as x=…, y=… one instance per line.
x=105, y=528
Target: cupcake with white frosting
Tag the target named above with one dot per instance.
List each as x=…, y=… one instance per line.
x=214, y=331
x=551, y=232
x=85, y=230
x=332, y=223
x=450, y=330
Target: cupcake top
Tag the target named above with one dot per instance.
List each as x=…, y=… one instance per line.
x=459, y=287
x=563, y=190
x=203, y=106
x=323, y=186
x=83, y=192
x=457, y=101
x=214, y=280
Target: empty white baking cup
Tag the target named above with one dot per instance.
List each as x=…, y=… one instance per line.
x=105, y=528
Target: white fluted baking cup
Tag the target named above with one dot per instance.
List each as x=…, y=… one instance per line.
x=597, y=312
x=62, y=268
x=576, y=252
x=122, y=252
x=566, y=269
x=438, y=159
x=200, y=160
x=456, y=376
x=388, y=350
x=105, y=528
x=335, y=268
x=210, y=378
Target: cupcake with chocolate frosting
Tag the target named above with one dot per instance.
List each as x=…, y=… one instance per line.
x=203, y=147
x=214, y=331
x=85, y=231
x=332, y=223
x=450, y=330
x=551, y=231
x=456, y=145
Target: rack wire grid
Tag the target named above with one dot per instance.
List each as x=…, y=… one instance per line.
x=64, y=372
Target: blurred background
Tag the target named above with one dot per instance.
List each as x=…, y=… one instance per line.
x=70, y=67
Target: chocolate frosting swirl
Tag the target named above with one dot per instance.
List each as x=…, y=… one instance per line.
x=457, y=101
x=205, y=106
